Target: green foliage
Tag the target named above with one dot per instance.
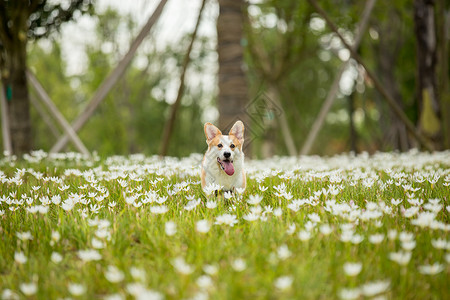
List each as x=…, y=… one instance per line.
x=131, y=118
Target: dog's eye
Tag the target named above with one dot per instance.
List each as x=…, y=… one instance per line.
x=232, y=146
x=220, y=145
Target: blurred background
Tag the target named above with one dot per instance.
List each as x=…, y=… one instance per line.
x=275, y=64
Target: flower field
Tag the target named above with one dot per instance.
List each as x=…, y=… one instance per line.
x=343, y=227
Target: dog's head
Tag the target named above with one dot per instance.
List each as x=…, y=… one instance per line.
x=225, y=148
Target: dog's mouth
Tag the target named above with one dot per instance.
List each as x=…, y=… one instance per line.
x=226, y=165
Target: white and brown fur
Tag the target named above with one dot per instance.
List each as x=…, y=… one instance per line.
x=224, y=147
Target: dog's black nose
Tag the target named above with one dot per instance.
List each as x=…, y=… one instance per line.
x=226, y=154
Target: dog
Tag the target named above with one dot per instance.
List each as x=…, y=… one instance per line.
x=223, y=162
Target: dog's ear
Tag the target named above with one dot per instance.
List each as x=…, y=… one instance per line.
x=238, y=131
x=211, y=132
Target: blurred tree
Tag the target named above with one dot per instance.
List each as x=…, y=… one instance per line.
x=131, y=118
x=21, y=21
x=429, y=106
x=46, y=58
x=393, y=53
x=443, y=66
x=275, y=53
x=233, y=89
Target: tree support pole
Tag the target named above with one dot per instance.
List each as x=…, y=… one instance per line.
x=45, y=117
x=394, y=106
x=282, y=120
x=112, y=78
x=45, y=98
x=331, y=96
x=170, y=122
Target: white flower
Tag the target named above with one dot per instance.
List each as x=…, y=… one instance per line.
x=76, y=289
x=89, y=255
x=278, y=212
x=352, y=269
x=113, y=274
x=356, y=239
x=226, y=219
x=24, y=236
x=135, y=288
x=147, y=294
x=161, y=200
x=28, y=288
x=20, y=258
x=240, y=191
x=211, y=204
x=373, y=288
x=325, y=229
x=8, y=294
x=267, y=209
x=392, y=234
x=304, y=235
x=409, y=246
x=181, y=266
x=204, y=282
x=424, y=219
x=402, y=258
x=114, y=297
x=202, y=226
x=192, y=204
x=210, y=188
x=254, y=199
x=314, y=217
x=210, y=269
x=263, y=188
x=283, y=252
x=396, y=202
x=440, y=244
x=56, y=257
x=97, y=244
x=55, y=236
x=349, y=294
x=159, y=209
x=56, y=199
x=346, y=236
x=68, y=204
x=411, y=212
x=138, y=273
x=431, y=269
x=283, y=282
x=291, y=229
x=294, y=206
x=406, y=236
x=228, y=195
x=239, y=265
x=103, y=233
x=251, y=217
x=170, y=228
x=376, y=238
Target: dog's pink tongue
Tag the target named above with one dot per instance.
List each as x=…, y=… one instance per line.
x=228, y=167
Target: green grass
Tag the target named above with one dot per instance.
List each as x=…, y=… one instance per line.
x=137, y=238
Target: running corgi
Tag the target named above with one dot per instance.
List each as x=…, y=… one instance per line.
x=223, y=163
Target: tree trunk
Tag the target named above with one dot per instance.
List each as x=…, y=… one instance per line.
x=17, y=97
x=233, y=91
x=394, y=131
x=443, y=32
x=427, y=98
